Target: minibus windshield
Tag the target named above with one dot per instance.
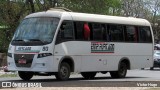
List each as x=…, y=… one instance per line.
x=40, y=29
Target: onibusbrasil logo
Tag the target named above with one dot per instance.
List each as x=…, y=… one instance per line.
x=19, y=85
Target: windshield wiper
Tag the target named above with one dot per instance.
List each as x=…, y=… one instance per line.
x=35, y=40
x=18, y=40
x=29, y=40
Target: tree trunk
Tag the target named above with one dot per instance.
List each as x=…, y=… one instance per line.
x=1, y=59
x=32, y=5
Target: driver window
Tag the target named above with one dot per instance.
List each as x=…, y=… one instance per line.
x=66, y=32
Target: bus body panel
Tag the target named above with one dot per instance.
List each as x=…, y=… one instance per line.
x=107, y=61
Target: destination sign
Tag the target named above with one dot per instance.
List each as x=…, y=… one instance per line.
x=102, y=47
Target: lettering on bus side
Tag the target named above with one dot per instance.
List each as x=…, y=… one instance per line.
x=102, y=47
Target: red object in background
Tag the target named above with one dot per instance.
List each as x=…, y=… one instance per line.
x=86, y=31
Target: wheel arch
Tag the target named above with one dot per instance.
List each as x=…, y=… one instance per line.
x=68, y=60
x=126, y=61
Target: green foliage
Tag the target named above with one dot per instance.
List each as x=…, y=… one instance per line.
x=10, y=17
x=92, y=6
x=8, y=75
x=2, y=41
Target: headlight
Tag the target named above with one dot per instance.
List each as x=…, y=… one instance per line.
x=44, y=55
x=9, y=55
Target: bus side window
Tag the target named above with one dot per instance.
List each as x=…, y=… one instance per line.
x=116, y=33
x=66, y=32
x=131, y=34
x=98, y=31
x=79, y=32
x=145, y=35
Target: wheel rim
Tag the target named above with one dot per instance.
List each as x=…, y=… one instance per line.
x=64, y=71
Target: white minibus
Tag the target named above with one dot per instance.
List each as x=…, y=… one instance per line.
x=58, y=42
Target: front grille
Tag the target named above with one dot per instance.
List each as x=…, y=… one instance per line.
x=27, y=57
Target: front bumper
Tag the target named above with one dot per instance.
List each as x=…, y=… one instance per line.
x=44, y=64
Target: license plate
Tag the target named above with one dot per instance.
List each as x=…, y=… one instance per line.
x=22, y=61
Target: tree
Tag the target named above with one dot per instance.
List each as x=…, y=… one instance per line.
x=154, y=7
x=44, y=5
x=31, y=4
x=110, y=7
x=134, y=8
x=12, y=12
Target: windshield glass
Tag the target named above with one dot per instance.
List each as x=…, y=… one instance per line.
x=36, y=29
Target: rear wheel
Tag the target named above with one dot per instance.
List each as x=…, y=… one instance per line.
x=63, y=72
x=88, y=75
x=121, y=73
x=25, y=75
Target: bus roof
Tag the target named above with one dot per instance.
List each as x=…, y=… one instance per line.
x=91, y=17
x=109, y=19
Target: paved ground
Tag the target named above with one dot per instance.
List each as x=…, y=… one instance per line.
x=132, y=75
x=135, y=79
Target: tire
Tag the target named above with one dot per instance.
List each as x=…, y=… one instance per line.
x=88, y=75
x=151, y=68
x=25, y=75
x=63, y=72
x=121, y=73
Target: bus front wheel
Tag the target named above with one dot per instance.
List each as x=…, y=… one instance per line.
x=121, y=73
x=25, y=75
x=88, y=75
x=63, y=72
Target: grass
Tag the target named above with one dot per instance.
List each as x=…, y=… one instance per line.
x=8, y=75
